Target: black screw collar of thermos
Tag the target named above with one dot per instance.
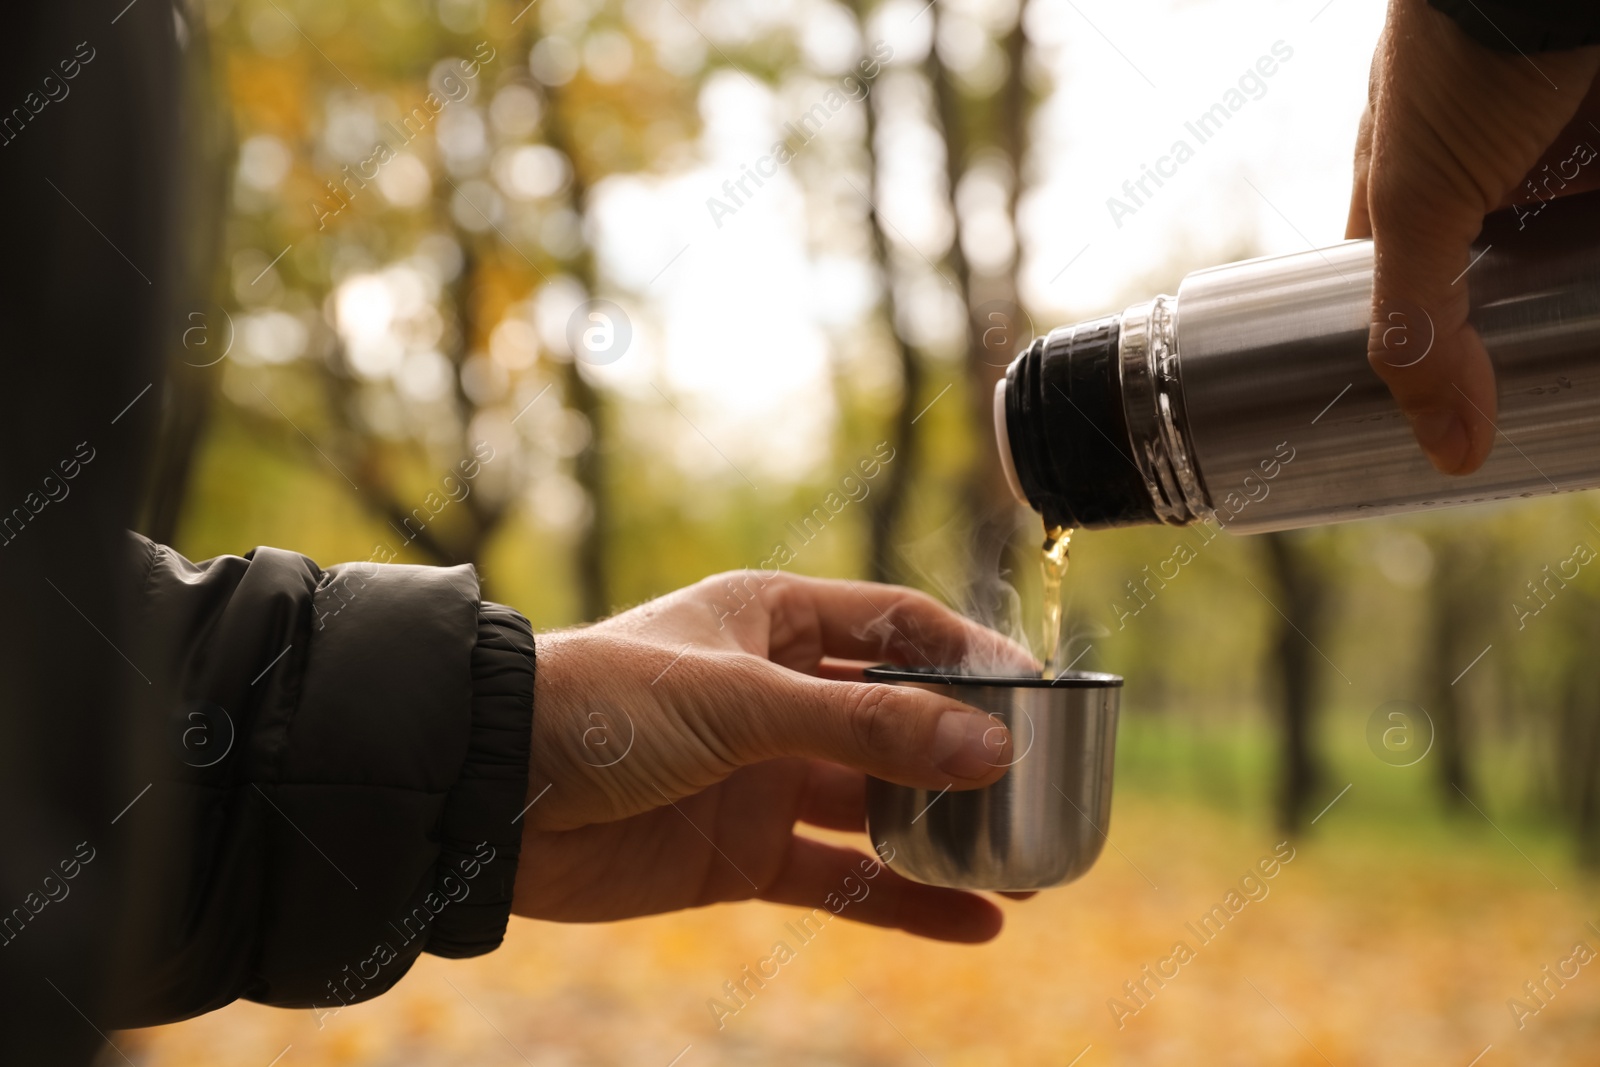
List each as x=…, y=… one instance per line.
x=1067, y=431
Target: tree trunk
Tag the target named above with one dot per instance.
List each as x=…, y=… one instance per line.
x=1451, y=614
x=994, y=321
x=1577, y=736
x=589, y=465
x=1302, y=594
x=885, y=508
x=589, y=470
x=1579, y=758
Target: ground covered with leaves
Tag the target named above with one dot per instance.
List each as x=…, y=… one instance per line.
x=1372, y=945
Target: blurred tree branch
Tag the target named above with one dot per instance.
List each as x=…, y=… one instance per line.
x=373, y=489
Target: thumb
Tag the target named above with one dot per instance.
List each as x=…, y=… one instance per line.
x=897, y=733
x=1419, y=341
x=1454, y=129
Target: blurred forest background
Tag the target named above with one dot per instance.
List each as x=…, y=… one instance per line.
x=581, y=259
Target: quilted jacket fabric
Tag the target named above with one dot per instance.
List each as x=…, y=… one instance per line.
x=342, y=761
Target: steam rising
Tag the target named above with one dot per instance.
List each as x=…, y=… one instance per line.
x=979, y=586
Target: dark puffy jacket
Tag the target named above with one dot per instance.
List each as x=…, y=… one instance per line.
x=1526, y=25
x=372, y=722
x=248, y=777
x=345, y=759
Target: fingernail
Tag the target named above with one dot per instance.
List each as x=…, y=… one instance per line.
x=967, y=745
x=1443, y=436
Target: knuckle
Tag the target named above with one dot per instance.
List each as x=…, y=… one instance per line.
x=721, y=580
x=745, y=582
x=877, y=716
x=921, y=603
x=730, y=593
x=775, y=584
x=1379, y=359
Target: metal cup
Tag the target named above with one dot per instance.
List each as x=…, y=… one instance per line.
x=1041, y=825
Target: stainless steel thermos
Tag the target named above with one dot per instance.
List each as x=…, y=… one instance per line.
x=1247, y=398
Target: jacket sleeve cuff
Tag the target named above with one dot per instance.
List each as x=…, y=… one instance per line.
x=1541, y=26
x=481, y=831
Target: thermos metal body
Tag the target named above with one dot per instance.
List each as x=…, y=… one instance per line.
x=1248, y=398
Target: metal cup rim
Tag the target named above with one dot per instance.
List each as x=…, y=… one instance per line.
x=953, y=676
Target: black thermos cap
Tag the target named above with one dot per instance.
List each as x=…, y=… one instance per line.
x=1068, y=434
